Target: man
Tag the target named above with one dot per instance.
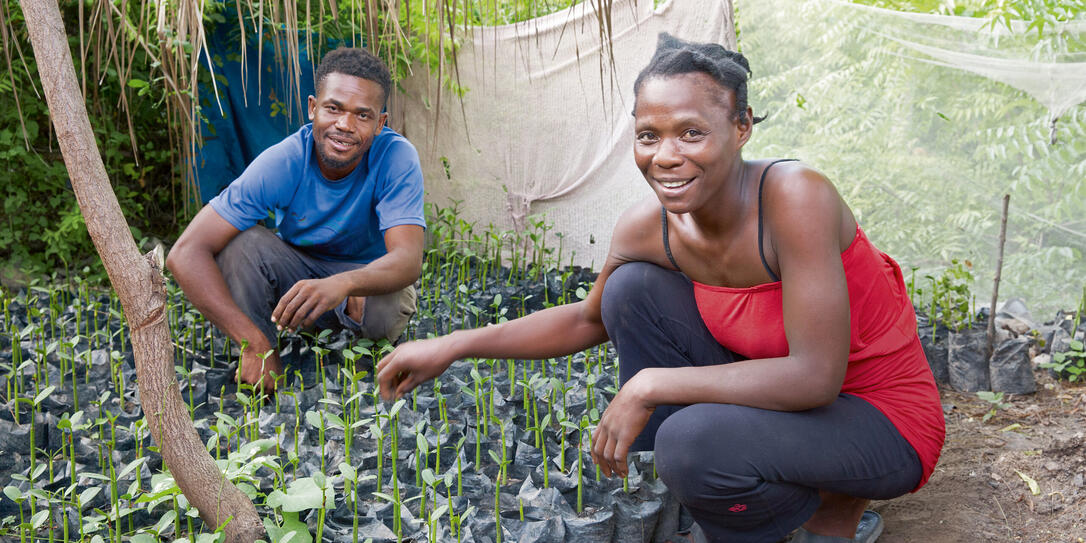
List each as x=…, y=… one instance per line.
x=347, y=196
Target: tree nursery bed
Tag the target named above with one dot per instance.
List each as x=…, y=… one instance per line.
x=493, y=450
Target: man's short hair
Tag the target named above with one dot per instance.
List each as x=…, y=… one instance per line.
x=356, y=62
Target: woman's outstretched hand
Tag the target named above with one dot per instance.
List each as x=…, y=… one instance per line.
x=622, y=421
x=412, y=364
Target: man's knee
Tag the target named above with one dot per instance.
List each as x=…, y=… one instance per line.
x=386, y=316
x=247, y=253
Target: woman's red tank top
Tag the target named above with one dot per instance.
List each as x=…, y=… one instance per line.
x=886, y=363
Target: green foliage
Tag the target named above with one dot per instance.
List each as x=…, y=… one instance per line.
x=948, y=298
x=1070, y=364
x=42, y=230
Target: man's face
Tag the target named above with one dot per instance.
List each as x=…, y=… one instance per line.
x=346, y=116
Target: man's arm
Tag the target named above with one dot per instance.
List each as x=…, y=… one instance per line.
x=192, y=262
x=401, y=266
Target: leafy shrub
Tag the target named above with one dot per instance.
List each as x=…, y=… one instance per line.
x=42, y=230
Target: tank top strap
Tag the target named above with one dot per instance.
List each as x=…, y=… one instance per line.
x=761, y=243
x=667, y=244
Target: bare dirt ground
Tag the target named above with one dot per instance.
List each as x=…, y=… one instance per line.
x=981, y=490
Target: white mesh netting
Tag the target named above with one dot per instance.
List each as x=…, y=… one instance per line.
x=922, y=121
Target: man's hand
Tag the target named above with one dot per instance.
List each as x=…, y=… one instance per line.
x=622, y=421
x=259, y=370
x=412, y=364
x=307, y=300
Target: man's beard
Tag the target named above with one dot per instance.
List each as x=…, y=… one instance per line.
x=330, y=161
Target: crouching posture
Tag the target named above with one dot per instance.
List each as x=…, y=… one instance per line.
x=347, y=196
x=767, y=350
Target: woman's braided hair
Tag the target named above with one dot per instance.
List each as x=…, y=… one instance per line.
x=729, y=69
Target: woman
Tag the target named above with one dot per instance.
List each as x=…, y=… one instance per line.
x=768, y=352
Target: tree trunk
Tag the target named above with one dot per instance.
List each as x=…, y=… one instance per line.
x=139, y=284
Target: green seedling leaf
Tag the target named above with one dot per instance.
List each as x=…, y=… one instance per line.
x=421, y=443
x=314, y=419
x=13, y=493
x=396, y=407
x=229, y=421
x=247, y=489
x=165, y=522
x=37, y=520
x=348, y=471
x=45, y=392
x=294, y=527
x=1034, y=488
x=131, y=466
x=88, y=494
x=335, y=421
x=429, y=477
x=439, y=511
x=253, y=448
x=144, y=538
x=302, y=494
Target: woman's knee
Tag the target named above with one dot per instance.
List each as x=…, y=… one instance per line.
x=629, y=291
x=694, y=457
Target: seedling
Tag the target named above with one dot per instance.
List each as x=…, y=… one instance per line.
x=995, y=401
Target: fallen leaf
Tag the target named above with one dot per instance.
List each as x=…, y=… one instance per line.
x=1034, y=488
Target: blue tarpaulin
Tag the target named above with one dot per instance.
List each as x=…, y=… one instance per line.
x=254, y=116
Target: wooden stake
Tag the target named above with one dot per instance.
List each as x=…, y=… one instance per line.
x=998, y=273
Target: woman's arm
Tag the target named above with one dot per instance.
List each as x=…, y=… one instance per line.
x=552, y=332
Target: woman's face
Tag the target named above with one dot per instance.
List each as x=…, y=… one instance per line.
x=686, y=138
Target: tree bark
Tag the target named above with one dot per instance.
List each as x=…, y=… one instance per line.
x=139, y=284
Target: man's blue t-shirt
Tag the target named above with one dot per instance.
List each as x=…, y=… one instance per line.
x=339, y=220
